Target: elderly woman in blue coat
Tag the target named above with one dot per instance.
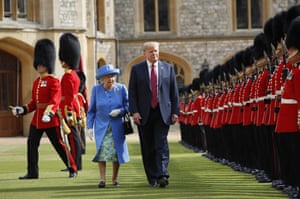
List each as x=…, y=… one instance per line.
x=108, y=103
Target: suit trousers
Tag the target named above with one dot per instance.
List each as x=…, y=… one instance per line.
x=154, y=146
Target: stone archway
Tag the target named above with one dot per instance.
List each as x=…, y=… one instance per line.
x=182, y=68
x=25, y=74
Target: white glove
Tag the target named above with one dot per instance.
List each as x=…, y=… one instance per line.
x=46, y=118
x=90, y=133
x=115, y=112
x=17, y=110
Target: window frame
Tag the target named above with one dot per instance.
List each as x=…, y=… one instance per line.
x=264, y=14
x=31, y=11
x=172, y=18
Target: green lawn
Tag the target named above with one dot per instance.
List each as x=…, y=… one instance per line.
x=191, y=176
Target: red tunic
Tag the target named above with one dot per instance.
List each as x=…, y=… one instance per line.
x=69, y=88
x=215, y=110
x=196, y=111
x=269, y=118
x=219, y=116
x=246, y=102
x=290, y=103
x=236, y=105
x=261, y=89
x=181, y=113
x=45, y=91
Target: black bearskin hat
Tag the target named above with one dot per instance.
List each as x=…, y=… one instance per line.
x=238, y=60
x=291, y=14
x=278, y=25
x=268, y=30
x=292, y=38
x=248, y=56
x=69, y=50
x=261, y=45
x=44, y=54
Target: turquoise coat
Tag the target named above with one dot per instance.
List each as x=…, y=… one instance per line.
x=102, y=102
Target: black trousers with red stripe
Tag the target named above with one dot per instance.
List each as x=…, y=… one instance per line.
x=33, y=143
x=75, y=146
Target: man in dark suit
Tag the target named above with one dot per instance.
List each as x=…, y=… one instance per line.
x=154, y=104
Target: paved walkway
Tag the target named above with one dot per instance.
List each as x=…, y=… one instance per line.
x=174, y=135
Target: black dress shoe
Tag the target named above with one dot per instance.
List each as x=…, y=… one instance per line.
x=72, y=174
x=163, y=182
x=27, y=177
x=154, y=184
x=101, y=184
x=65, y=169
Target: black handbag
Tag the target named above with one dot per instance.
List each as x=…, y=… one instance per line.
x=127, y=124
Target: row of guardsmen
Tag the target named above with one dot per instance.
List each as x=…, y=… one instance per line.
x=245, y=113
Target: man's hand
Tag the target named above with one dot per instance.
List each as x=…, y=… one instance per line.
x=136, y=118
x=174, y=118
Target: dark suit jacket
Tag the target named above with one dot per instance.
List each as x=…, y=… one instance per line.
x=140, y=91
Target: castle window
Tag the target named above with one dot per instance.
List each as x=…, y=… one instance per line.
x=156, y=15
x=248, y=14
x=20, y=9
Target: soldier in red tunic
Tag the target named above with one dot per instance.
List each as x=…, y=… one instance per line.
x=288, y=121
x=44, y=102
x=69, y=56
x=83, y=108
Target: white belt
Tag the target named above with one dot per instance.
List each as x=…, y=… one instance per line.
x=215, y=110
x=221, y=108
x=259, y=99
x=237, y=104
x=278, y=92
x=270, y=96
x=225, y=106
x=288, y=101
x=207, y=110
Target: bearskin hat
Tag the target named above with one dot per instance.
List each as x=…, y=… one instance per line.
x=196, y=84
x=248, y=56
x=238, y=60
x=278, y=25
x=69, y=50
x=291, y=14
x=268, y=30
x=44, y=54
x=260, y=46
x=292, y=38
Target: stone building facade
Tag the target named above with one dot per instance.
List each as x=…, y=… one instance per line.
x=113, y=31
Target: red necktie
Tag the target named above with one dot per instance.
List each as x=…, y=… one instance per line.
x=153, y=87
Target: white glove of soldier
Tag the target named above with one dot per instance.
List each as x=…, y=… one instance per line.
x=115, y=112
x=46, y=118
x=17, y=110
x=90, y=133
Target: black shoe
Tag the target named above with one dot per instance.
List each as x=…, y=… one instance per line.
x=72, y=174
x=66, y=169
x=153, y=183
x=27, y=177
x=101, y=184
x=163, y=182
x=116, y=184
